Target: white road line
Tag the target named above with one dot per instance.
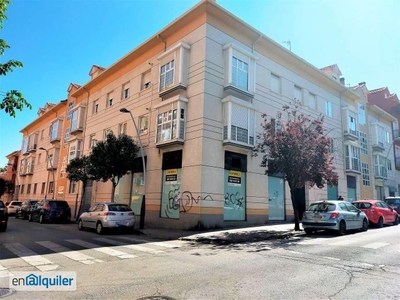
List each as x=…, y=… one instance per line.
x=160, y=244
x=332, y=258
x=31, y=257
x=342, y=243
x=71, y=254
x=105, y=250
x=375, y=245
x=134, y=247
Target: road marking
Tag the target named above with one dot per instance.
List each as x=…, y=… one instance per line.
x=343, y=243
x=375, y=245
x=332, y=258
x=31, y=257
x=134, y=247
x=71, y=254
x=104, y=250
x=160, y=244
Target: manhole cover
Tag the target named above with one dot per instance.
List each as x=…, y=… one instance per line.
x=157, y=298
x=6, y=292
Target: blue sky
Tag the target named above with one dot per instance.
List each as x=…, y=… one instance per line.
x=59, y=40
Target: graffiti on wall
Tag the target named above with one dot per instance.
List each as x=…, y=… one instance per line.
x=234, y=199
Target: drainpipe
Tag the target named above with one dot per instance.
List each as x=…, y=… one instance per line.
x=253, y=44
x=162, y=40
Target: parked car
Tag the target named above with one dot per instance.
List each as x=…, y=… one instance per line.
x=394, y=202
x=378, y=212
x=3, y=216
x=334, y=215
x=50, y=210
x=25, y=209
x=12, y=207
x=103, y=216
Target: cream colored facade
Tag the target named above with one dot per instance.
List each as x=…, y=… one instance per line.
x=197, y=90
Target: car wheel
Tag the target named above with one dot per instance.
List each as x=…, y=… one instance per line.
x=41, y=219
x=342, y=228
x=16, y=215
x=308, y=231
x=364, y=225
x=380, y=223
x=80, y=225
x=24, y=216
x=99, y=228
x=30, y=218
x=396, y=221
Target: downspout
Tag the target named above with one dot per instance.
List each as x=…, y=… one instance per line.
x=253, y=44
x=162, y=40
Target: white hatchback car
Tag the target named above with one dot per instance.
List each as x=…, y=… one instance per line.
x=102, y=216
x=13, y=206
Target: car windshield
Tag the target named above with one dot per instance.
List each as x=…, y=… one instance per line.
x=119, y=207
x=321, y=207
x=393, y=201
x=55, y=204
x=16, y=203
x=362, y=205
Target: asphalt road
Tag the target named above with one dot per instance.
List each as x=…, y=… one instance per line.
x=361, y=265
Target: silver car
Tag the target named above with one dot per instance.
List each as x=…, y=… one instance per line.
x=334, y=215
x=102, y=216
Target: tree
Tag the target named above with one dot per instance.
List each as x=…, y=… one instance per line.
x=113, y=158
x=13, y=99
x=297, y=147
x=78, y=170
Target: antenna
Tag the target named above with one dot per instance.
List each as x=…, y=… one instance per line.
x=289, y=44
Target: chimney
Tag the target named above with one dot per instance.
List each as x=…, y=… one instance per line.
x=342, y=80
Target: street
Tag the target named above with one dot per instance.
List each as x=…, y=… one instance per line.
x=359, y=265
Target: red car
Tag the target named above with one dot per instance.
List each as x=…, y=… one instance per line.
x=378, y=212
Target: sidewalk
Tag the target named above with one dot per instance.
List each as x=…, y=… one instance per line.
x=227, y=236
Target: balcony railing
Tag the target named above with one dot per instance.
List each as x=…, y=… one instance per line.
x=378, y=147
x=352, y=135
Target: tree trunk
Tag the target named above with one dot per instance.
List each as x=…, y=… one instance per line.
x=295, y=209
x=113, y=192
x=82, y=197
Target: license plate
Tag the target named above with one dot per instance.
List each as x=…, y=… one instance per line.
x=317, y=218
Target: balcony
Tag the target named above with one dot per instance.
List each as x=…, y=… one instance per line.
x=378, y=147
x=32, y=148
x=353, y=166
x=351, y=135
x=77, y=120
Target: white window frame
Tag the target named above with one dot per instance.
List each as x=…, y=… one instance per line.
x=143, y=124
x=110, y=100
x=380, y=166
x=276, y=84
x=95, y=108
x=312, y=101
x=122, y=128
x=167, y=75
x=363, y=142
x=328, y=108
x=125, y=91
x=92, y=141
x=240, y=73
x=298, y=93
x=365, y=174
x=361, y=114
x=105, y=133
x=353, y=158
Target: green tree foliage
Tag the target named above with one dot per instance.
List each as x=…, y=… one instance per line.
x=297, y=147
x=113, y=158
x=13, y=99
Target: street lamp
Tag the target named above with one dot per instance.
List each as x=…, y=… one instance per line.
x=143, y=207
x=386, y=158
x=16, y=192
x=51, y=165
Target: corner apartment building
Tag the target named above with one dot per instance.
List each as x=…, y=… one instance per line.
x=196, y=91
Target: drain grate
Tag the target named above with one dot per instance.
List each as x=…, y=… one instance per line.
x=157, y=298
x=6, y=292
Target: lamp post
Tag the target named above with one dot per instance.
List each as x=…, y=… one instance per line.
x=143, y=206
x=16, y=192
x=52, y=169
x=386, y=158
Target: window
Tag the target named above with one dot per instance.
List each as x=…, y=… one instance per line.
x=39, y=158
x=25, y=144
x=328, y=109
x=353, y=161
x=51, y=187
x=298, y=95
x=77, y=119
x=42, y=135
x=240, y=71
x=75, y=150
x=43, y=187
x=352, y=125
x=143, y=123
x=380, y=166
x=146, y=80
x=331, y=146
x=365, y=174
x=389, y=164
x=92, y=141
x=34, y=188
x=55, y=130
x=363, y=141
x=275, y=84
x=106, y=132
x=167, y=75
x=238, y=118
x=67, y=135
x=22, y=189
x=312, y=101
x=125, y=91
x=22, y=167
x=72, y=187
x=109, y=99
x=28, y=189
x=171, y=120
x=95, y=108
x=121, y=128
x=361, y=114
x=387, y=136
x=70, y=108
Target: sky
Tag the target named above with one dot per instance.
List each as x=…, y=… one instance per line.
x=58, y=41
